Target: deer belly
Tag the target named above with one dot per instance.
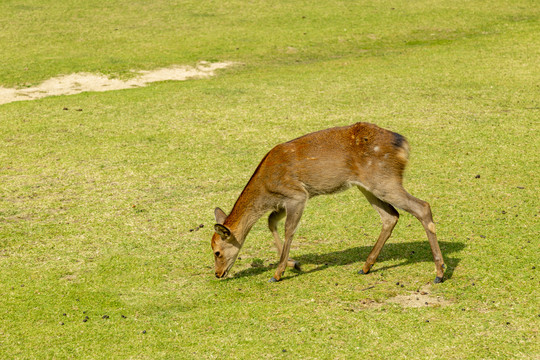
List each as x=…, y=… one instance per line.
x=324, y=188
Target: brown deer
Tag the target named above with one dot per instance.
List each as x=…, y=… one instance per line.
x=323, y=162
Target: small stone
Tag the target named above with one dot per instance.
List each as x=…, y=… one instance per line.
x=477, y=177
x=144, y=332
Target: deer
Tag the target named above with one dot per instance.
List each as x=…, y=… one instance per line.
x=324, y=162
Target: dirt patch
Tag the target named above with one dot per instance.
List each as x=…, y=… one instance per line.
x=420, y=298
x=81, y=82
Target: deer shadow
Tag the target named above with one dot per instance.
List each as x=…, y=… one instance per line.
x=409, y=253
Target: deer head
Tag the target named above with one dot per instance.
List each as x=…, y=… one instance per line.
x=224, y=245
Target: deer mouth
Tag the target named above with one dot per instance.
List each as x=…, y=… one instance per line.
x=224, y=273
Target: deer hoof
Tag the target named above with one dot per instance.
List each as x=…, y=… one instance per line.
x=361, y=272
x=273, y=280
x=297, y=266
x=438, y=280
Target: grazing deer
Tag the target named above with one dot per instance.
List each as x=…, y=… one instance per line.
x=323, y=162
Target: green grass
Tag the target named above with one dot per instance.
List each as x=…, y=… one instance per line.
x=96, y=206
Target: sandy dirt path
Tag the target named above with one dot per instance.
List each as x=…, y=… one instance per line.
x=81, y=82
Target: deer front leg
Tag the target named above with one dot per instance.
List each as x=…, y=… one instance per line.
x=294, y=213
x=273, y=220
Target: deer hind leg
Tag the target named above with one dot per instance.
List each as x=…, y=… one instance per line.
x=273, y=221
x=294, y=210
x=389, y=217
x=422, y=211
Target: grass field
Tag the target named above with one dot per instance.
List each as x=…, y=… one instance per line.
x=97, y=260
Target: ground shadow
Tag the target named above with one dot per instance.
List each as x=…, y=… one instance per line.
x=410, y=253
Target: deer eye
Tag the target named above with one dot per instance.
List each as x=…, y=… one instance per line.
x=217, y=253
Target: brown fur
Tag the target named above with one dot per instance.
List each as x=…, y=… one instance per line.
x=319, y=163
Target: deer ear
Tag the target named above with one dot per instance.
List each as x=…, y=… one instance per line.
x=222, y=231
x=220, y=216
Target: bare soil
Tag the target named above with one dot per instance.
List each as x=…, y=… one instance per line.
x=82, y=82
x=421, y=298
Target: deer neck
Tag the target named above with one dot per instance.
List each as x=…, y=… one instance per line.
x=248, y=209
